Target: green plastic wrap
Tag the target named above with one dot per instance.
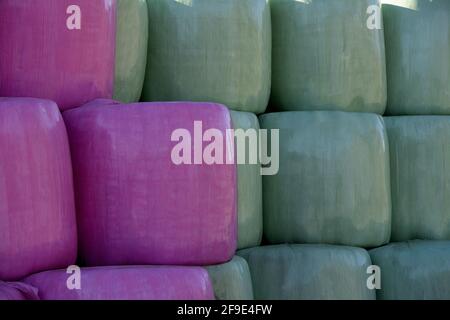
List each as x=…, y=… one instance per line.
x=311, y=272
x=231, y=280
x=417, y=55
x=333, y=184
x=216, y=51
x=326, y=58
x=131, y=49
x=250, y=216
x=420, y=177
x=414, y=270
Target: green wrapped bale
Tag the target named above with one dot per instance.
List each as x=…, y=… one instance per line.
x=131, y=49
x=250, y=216
x=420, y=177
x=414, y=270
x=310, y=272
x=231, y=280
x=203, y=50
x=326, y=58
x=417, y=54
x=333, y=184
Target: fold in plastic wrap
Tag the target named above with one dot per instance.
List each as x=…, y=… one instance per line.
x=17, y=291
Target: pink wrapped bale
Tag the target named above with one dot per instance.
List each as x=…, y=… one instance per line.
x=125, y=283
x=135, y=204
x=62, y=50
x=37, y=211
x=17, y=291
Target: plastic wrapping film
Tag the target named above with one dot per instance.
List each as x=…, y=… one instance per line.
x=250, y=223
x=135, y=205
x=61, y=50
x=214, y=51
x=420, y=158
x=333, y=185
x=125, y=283
x=131, y=49
x=231, y=280
x=310, y=272
x=413, y=270
x=37, y=211
x=326, y=58
x=417, y=51
x=17, y=291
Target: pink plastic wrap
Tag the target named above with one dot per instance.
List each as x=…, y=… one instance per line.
x=61, y=50
x=125, y=283
x=17, y=291
x=37, y=213
x=135, y=206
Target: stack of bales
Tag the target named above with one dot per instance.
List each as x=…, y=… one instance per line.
x=92, y=181
x=134, y=206
x=220, y=51
x=416, y=266
x=331, y=196
x=110, y=161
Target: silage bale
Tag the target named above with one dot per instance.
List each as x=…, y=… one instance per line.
x=131, y=49
x=417, y=51
x=414, y=270
x=231, y=280
x=420, y=156
x=125, y=283
x=202, y=50
x=135, y=204
x=250, y=216
x=62, y=50
x=17, y=291
x=37, y=210
x=311, y=272
x=326, y=58
x=333, y=184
